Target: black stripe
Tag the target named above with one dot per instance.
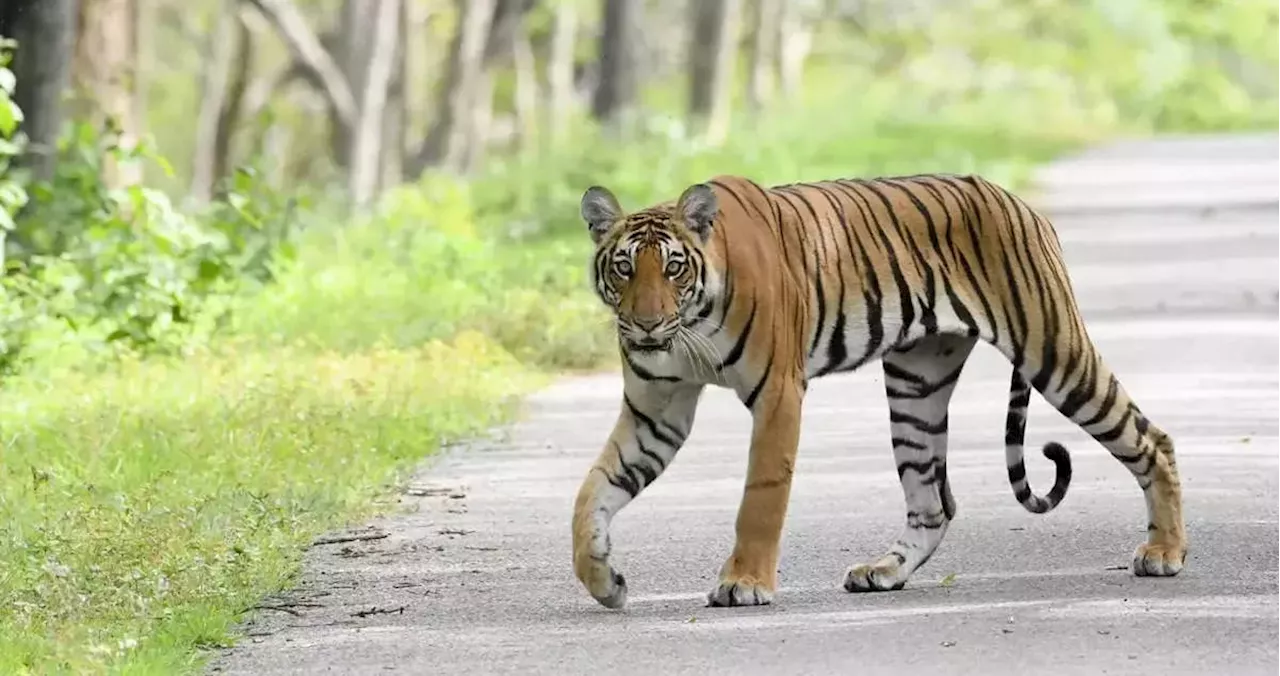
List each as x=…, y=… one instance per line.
x=908, y=443
x=928, y=318
x=627, y=482
x=966, y=266
x=919, y=467
x=944, y=490
x=837, y=350
x=1116, y=431
x=906, y=299
x=750, y=401
x=923, y=426
x=872, y=294
x=669, y=436
x=1017, y=472
x=923, y=388
x=1108, y=402
x=738, y=347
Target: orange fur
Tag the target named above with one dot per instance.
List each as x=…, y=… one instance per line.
x=761, y=290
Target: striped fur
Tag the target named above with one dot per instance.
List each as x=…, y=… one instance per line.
x=761, y=290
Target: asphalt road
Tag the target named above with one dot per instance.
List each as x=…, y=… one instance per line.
x=1173, y=247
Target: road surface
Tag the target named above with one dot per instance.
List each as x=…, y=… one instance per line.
x=1173, y=250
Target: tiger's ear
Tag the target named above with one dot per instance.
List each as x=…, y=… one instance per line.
x=600, y=210
x=697, y=206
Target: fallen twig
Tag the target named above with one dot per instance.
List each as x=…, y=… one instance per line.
x=349, y=538
x=378, y=611
x=286, y=607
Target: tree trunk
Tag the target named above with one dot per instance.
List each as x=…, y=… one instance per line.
x=396, y=117
x=560, y=91
x=144, y=32
x=764, y=16
x=366, y=151
x=232, y=112
x=794, y=39
x=103, y=76
x=353, y=50
x=477, y=123
x=446, y=141
x=618, y=87
x=711, y=53
x=526, y=95
x=504, y=29
x=220, y=52
x=45, y=31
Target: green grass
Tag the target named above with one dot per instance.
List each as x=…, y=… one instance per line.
x=144, y=508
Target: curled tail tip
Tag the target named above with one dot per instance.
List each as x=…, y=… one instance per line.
x=1033, y=503
x=1059, y=454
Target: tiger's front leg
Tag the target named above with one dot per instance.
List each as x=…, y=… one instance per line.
x=749, y=577
x=653, y=424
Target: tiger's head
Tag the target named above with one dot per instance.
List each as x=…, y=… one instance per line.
x=650, y=266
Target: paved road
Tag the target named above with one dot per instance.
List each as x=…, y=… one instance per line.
x=1176, y=266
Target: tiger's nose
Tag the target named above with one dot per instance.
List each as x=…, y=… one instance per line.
x=647, y=324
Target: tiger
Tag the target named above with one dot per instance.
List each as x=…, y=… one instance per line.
x=761, y=290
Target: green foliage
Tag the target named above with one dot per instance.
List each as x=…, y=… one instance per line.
x=418, y=269
x=100, y=270
x=13, y=196
x=1124, y=65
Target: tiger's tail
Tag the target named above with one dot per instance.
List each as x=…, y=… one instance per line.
x=1014, y=434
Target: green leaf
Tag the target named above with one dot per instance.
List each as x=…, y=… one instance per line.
x=9, y=115
x=947, y=581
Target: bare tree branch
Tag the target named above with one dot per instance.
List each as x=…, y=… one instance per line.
x=307, y=50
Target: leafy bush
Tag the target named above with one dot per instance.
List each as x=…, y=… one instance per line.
x=104, y=270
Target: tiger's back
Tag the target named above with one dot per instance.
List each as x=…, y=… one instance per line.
x=899, y=258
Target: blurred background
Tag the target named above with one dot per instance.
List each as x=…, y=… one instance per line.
x=194, y=142
x=263, y=256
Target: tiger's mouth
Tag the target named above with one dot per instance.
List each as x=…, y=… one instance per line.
x=649, y=345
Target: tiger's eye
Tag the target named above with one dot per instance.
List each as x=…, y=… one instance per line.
x=674, y=268
x=622, y=268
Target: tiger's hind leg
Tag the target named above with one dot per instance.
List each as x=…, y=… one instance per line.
x=919, y=380
x=1091, y=396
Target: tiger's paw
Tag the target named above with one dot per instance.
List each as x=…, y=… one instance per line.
x=741, y=592
x=1158, y=560
x=606, y=585
x=883, y=576
x=613, y=594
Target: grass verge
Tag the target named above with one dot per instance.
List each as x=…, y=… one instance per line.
x=146, y=507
